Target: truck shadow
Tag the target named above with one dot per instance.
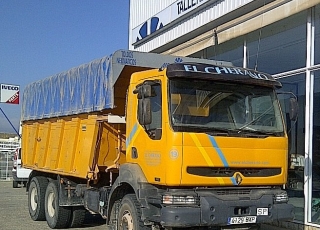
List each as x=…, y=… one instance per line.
x=92, y=220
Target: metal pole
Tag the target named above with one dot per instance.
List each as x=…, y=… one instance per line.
x=309, y=118
x=7, y=167
x=10, y=123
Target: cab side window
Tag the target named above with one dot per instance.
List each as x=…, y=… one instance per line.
x=156, y=108
x=150, y=108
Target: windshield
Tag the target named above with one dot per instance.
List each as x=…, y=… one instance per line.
x=213, y=106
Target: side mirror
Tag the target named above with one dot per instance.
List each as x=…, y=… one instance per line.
x=289, y=99
x=294, y=108
x=143, y=91
x=144, y=111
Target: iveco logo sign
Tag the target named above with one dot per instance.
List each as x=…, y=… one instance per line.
x=9, y=94
x=149, y=27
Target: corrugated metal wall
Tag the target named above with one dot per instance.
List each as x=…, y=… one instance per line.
x=141, y=10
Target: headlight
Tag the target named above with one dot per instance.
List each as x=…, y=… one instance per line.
x=281, y=197
x=176, y=199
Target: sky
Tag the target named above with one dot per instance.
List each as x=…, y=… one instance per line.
x=40, y=38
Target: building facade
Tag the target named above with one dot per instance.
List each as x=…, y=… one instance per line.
x=280, y=37
x=8, y=147
x=9, y=144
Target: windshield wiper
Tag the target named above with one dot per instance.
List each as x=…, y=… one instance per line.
x=254, y=120
x=247, y=130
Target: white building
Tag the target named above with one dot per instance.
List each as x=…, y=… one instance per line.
x=10, y=144
x=280, y=37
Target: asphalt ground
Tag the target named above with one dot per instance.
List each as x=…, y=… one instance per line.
x=14, y=214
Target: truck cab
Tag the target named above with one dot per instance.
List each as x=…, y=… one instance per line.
x=189, y=127
x=211, y=138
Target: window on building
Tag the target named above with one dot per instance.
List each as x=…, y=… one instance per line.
x=317, y=35
x=228, y=51
x=315, y=202
x=231, y=51
x=296, y=135
x=279, y=47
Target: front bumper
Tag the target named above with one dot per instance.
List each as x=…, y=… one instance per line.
x=215, y=210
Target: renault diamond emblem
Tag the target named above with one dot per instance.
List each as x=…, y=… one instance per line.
x=238, y=178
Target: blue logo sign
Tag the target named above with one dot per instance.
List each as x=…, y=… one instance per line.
x=149, y=27
x=178, y=60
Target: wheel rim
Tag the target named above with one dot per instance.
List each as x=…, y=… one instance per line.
x=126, y=221
x=51, y=206
x=34, y=199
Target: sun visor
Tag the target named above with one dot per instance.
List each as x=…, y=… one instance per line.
x=221, y=73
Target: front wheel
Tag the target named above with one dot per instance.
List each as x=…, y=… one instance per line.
x=130, y=214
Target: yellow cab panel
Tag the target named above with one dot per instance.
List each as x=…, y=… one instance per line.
x=204, y=129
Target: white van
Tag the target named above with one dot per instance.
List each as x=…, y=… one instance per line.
x=20, y=175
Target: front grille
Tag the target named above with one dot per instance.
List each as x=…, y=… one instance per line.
x=229, y=172
x=237, y=192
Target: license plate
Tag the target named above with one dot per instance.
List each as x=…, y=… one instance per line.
x=242, y=220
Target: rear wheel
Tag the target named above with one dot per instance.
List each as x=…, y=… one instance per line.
x=36, y=195
x=77, y=217
x=130, y=214
x=56, y=216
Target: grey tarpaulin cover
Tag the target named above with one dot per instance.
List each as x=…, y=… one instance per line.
x=82, y=89
x=89, y=87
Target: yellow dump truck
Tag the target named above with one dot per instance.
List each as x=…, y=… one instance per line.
x=154, y=141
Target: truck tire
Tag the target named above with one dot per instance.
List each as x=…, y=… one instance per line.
x=15, y=184
x=36, y=194
x=56, y=216
x=77, y=217
x=112, y=223
x=130, y=214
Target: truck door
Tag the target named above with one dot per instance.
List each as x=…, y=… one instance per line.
x=146, y=143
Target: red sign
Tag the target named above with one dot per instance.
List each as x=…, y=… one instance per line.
x=9, y=94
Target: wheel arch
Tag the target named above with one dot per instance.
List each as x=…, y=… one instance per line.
x=129, y=181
